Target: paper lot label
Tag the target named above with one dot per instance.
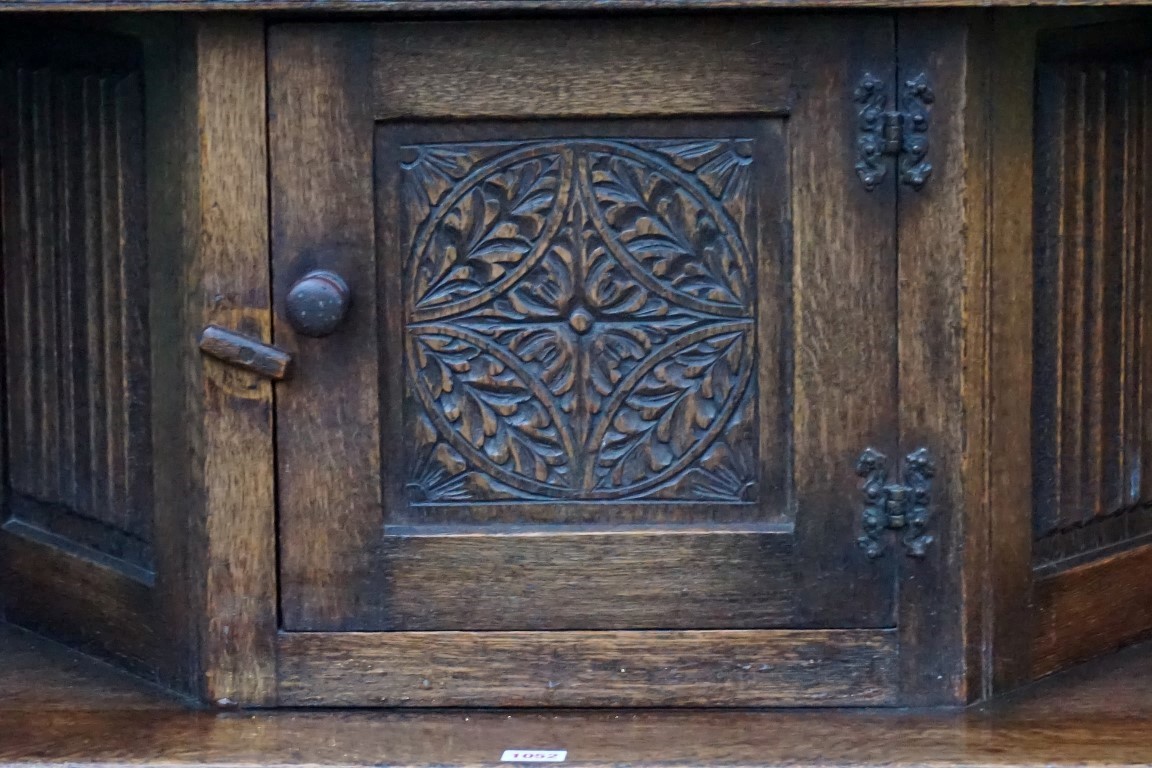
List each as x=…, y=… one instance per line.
x=534, y=756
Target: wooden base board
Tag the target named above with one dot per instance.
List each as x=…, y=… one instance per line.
x=1092, y=609
x=58, y=708
x=731, y=668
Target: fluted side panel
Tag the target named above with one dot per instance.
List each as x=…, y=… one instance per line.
x=75, y=299
x=1093, y=367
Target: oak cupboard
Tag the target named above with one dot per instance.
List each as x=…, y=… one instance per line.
x=471, y=355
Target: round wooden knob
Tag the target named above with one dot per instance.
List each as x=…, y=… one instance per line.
x=318, y=302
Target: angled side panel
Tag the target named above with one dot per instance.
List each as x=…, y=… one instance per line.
x=1092, y=376
x=78, y=528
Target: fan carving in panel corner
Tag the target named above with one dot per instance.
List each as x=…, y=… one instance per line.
x=580, y=321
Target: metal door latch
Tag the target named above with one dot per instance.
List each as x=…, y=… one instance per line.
x=901, y=133
x=899, y=506
x=245, y=352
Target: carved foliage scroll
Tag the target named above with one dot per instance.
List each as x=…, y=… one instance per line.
x=580, y=321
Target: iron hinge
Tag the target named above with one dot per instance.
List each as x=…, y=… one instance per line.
x=902, y=506
x=900, y=133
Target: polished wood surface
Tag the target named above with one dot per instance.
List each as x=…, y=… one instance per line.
x=481, y=6
x=38, y=674
x=55, y=709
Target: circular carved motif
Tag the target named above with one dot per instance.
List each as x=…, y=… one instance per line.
x=579, y=317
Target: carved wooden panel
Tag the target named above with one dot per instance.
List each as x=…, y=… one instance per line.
x=1093, y=321
x=75, y=303
x=608, y=362
x=580, y=321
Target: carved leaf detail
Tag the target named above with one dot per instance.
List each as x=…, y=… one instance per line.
x=720, y=165
x=674, y=234
x=544, y=293
x=614, y=292
x=486, y=229
x=435, y=171
x=551, y=351
x=490, y=409
x=727, y=470
x=673, y=409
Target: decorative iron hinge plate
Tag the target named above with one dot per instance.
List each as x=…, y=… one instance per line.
x=901, y=133
x=899, y=506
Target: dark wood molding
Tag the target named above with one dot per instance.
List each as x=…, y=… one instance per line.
x=217, y=249
x=943, y=350
x=1009, y=367
x=1092, y=433
x=500, y=6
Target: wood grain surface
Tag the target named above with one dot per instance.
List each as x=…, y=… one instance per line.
x=77, y=552
x=1065, y=333
x=76, y=291
x=1098, y=714
x=208, y=230
x=76, y=595
x=240, y=585
x=39, y=673
x=584, y=67
x=718, y=668
x=483, y=6
x=1091, y=609
x=943, y=346
x=1093, y=434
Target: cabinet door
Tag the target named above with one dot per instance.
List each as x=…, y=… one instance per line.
x=622, y=319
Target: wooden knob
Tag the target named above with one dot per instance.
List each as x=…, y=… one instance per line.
x=317, y=303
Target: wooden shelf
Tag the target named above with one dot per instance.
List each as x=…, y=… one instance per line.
x=57, y=706
x=488, y=6
x=39, y=675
